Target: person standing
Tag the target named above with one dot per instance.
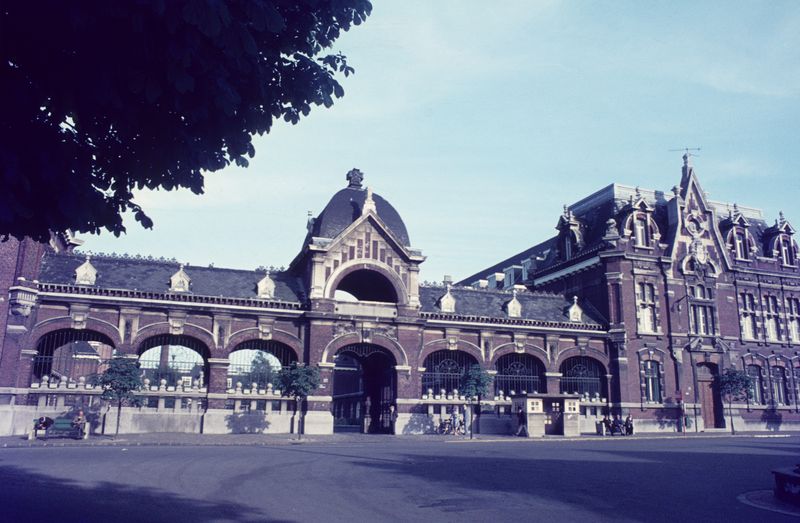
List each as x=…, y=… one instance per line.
x=522, y=422
x=79, y=422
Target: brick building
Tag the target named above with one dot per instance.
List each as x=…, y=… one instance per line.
x=633, y=307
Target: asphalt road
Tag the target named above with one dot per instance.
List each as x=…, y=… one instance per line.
x=384, y=479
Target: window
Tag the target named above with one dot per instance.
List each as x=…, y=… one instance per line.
x=771, y=318
x=640, y=233
x=785, y=250
x=756, y=385
x=740, y=239
x=793, y=318
x=748, y=320
x=646, y=307
x=701, y=311
x=652, y=381
x=779, y=395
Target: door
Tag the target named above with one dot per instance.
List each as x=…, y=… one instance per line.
x=709, y=398
x=553, y=417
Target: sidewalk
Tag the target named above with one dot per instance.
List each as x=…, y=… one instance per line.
x=182, y=439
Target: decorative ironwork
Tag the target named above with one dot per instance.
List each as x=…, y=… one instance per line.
x=69, y=354
x=520, y=373
x=445, y=369
x=364, y=350
x=177, y=359
x=583, y=375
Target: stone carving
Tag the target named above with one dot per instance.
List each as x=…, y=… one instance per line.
x=514, y=307
x=266, y=288
x=343, y=327
x=447, y=303
x=575, y=311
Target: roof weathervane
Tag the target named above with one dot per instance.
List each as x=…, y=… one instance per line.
x=354, y=178
x=686, y=154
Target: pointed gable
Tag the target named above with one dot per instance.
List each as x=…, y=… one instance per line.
x=266, y=287
x=86, y=274
x=180, y=281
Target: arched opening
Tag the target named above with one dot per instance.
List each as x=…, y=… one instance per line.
x=70, y=354
x=520, y=373
x=583, y=375
x=364, y=387
x=445, y=371
x=708, y=395
x=258, y=361
x=367, y=285
x=179, y=360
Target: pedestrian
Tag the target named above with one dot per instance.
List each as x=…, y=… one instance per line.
x=392, y=418
x=522, y=422
x=607, y=426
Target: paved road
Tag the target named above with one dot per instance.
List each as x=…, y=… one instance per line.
x=383, y=479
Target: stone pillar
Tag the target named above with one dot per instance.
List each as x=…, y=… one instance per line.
x=552, y=382
x=217, y=382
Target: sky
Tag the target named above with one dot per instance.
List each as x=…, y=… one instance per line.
x=479, y=120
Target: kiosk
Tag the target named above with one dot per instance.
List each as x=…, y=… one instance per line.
x=548, y=414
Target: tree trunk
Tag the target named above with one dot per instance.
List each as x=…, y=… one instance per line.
x=730, y=413
x=299, y=417
x=119, y=415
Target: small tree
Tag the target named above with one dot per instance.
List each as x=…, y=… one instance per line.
x=477, y=383
x=119, y=382
x=734, y=384
x=298, y=380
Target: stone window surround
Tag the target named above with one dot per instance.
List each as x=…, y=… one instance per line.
x=640, y=301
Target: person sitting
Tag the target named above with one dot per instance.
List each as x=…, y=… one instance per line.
x=629, y=426
x=607, y=426
x=617, y=426
x=79, y=422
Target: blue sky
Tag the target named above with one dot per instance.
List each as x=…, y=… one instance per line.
x=479, y=120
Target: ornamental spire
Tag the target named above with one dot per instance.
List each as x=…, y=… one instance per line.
x=354, y=178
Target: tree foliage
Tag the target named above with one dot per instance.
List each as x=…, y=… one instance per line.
x=734, y=384
x=119, y=382
x=298, y=380
x=477, y=382
x=101, y=98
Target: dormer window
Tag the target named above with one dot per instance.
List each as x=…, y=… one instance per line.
x=741, y=245
x=785, y=250
x=640, y=232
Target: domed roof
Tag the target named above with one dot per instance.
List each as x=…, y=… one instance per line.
x=345, y=207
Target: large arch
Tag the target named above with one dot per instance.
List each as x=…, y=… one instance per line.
x=258, y=361
x=204, y=336
x=364, y=388
x=373, y=271
x=251, y=334
x=71, y=354
x=176, y=359
x=527, y=348
x=519, y=372
x=351, y=338
x=66, y=323
x=583, y=375
x=445, y=370
x=447, y=344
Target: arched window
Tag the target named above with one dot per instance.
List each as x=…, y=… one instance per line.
x=779, y=392
x=445, y=370
x=652, y=381
x=179, y=360
x=519, y=373
x=583, y=375
x=70, y=354
x=756, y=385
x=741, y=247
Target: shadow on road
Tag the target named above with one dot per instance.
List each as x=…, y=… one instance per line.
x=33, y=497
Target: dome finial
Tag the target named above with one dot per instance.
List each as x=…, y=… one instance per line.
x=354, y=178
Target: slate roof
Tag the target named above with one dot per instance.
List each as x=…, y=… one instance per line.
x=594, y=211
x=154, y=276
x=345, y=207
x=490, y=304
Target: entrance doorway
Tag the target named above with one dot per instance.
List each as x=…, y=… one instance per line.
x=364, y=386
x=709, y=397
x=553, y=416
